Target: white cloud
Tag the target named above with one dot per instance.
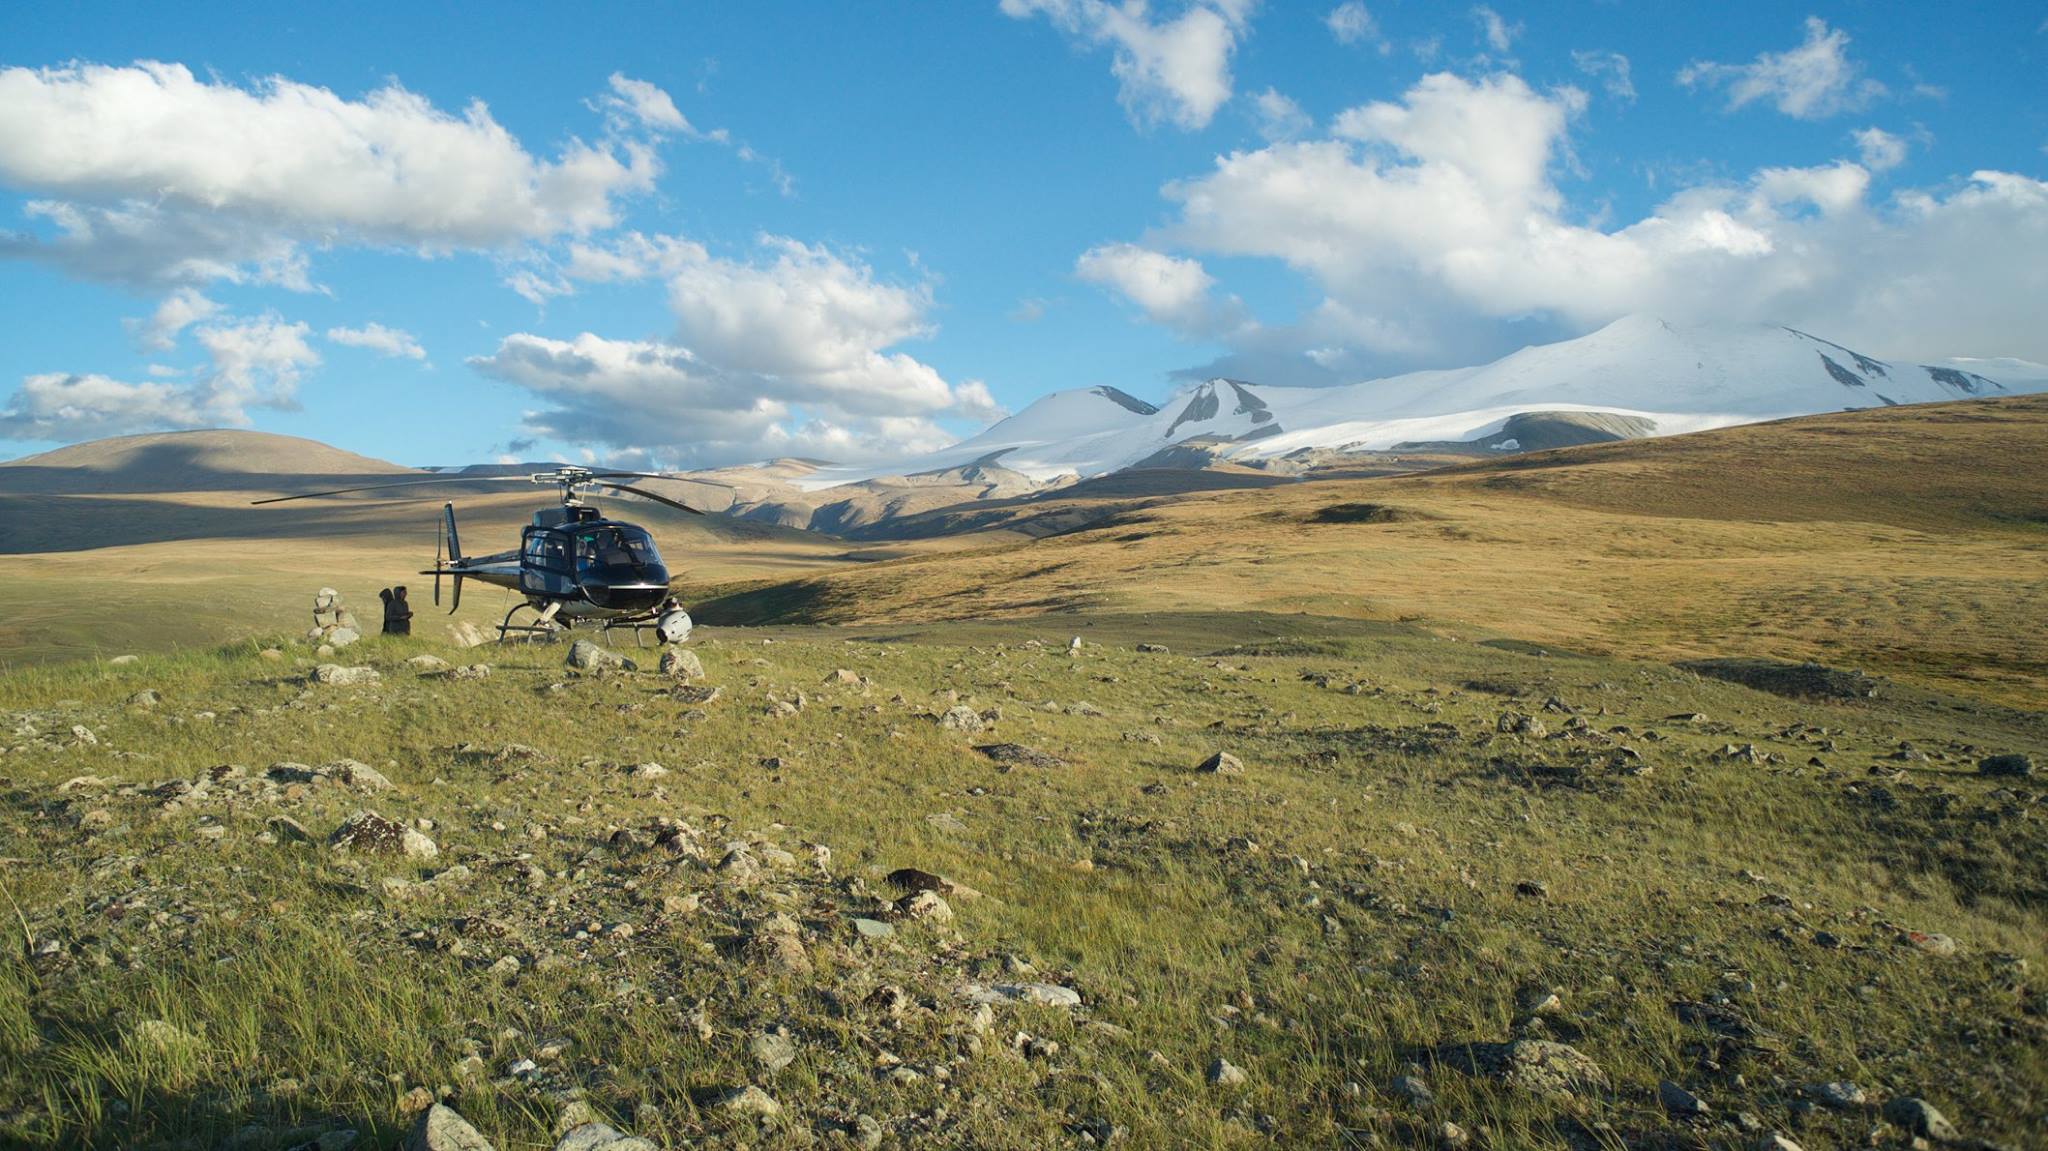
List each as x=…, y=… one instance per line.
x=1171, y=290
x=178, y=311
x=973, y=401
x=1173, y=71
x=1611, y=69
x=1498, y=33
x=252, y=362
x=255, y=363
x=64, y=407
x=155, y=176
x=1881, y=151
x=1810, y=82
x=1437, y=234
x=639, y=102
x=789, y=352
x=1350, y=23
x=394, y=342
x=1280, y=118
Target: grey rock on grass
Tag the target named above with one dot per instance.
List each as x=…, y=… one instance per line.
x=439, y=1128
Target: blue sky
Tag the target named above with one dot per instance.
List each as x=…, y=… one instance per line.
x=696, y=236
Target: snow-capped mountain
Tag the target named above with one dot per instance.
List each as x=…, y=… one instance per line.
x=1638, y=375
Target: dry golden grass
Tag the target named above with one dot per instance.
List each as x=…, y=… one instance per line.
x=1911, y=542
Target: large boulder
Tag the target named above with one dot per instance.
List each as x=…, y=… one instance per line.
x=677, y=663
x=439, y=1128
x=590, y=657
x=370, y=833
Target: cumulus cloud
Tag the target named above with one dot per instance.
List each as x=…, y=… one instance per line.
x=1168, y=71
x=396, y=343
x=62, y=406
x=790, y=351
x=252, y=362
x=639, y=102
x=1350, y=23
x=152, y=175
x=1810, y=82
x=1611, y=70
x=1437, y=234
x=1881, y=151
x=1172, y=290
x=1280, y=118
x=178, y=311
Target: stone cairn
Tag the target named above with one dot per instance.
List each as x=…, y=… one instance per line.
x=333, y=624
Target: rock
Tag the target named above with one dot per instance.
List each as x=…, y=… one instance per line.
x=124, y=660
x=335, y=675
x=1449, y=1134
x=873, y=928
x=749, y=1101
x=1536, y=1065
x=1412, y=1089
x=353, y=773
x=367, y=831
x=597, y=1136
x=1539, y=1001
x=1919, y=1116
x=1016, y=753
x=912, y=879
x=1772, y=1141
x=587, y=656
x=960, y=717
x=777, y=941
x=471, y=671
x=1155, y=649
x=1042, y=994
x=159, y=1035
x=439, y=1128
x=1840, y=1095
x=676, y=663
x=1532, y=889
x=2005, y=766
x=924, y=905
x=287, y=829
x=1682, y=1104
x=341, y=637
x=773, y=1050
x=1933, y=943
x=1223, y=1073
x=427, y=663
x=146, y=698
x=1515, y=723
x=1074, y=645
x=842, y=677
x=1222, y=763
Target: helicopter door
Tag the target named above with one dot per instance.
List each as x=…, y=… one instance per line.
x=544, y=564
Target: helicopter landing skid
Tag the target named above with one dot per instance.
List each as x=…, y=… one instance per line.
x=544, y=625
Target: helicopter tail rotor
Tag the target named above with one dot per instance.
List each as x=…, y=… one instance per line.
x=448, y=535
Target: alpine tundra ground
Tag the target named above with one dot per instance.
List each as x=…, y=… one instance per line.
x=964, y=885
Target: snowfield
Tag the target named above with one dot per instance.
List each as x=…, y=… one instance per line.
x=1679, y=379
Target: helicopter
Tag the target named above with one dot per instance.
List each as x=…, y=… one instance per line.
x=574, y=565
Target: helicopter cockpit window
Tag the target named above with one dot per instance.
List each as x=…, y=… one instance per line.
x=615, y=547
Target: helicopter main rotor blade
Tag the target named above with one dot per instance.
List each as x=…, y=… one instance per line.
x=642, y=492
x=396, y=484
x=682, y=479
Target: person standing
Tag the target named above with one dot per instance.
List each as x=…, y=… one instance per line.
x=400, y=613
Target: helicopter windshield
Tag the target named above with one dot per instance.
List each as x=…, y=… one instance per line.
x=613, y=550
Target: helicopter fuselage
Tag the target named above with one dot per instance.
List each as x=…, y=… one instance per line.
x=587, y=566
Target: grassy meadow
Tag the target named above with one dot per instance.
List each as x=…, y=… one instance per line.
x=1504, y=863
